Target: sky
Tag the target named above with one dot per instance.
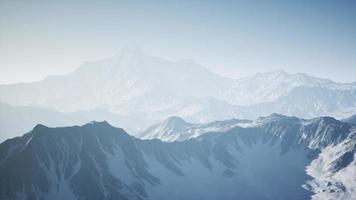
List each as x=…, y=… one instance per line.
x=232, y=38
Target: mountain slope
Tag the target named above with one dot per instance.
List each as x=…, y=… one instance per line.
x=334, y=171
x=98, y=161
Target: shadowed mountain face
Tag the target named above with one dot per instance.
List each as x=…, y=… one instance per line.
x=98, y=161
x=16, y=120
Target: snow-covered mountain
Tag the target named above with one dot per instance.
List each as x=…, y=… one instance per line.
x=114, y=82
x=170, y=129
x=277, y=157
x=268, y=87
x=135, y=84
x=177, y=129
x=306, y=102
x=334, y=171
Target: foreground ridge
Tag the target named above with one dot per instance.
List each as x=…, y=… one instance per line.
x=265, y=161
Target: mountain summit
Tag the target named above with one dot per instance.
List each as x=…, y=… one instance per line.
x=150, y=89
x=99, y=161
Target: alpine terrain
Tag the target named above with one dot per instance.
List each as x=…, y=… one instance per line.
x=274, y=157
x=148, y=89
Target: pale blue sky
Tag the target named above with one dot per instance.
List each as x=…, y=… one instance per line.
x=234, y=38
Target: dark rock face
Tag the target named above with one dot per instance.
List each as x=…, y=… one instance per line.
x=98, y=161
x=342, y=161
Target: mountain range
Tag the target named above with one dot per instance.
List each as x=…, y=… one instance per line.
x=177, y=129
x=274, y=157
x=16, y=120
x=149, y=89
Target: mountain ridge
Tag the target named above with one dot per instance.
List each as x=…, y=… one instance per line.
x=97, y=160
x=170, y=133
x=147, y=88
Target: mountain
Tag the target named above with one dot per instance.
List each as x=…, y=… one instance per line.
x=167, y=130
x=268, y=161
x=16, y=120
x=170, y=131
x=134, y=84
x=351, y=119
x=306, y=102
x=176, y=129
x=112, y=83
x=334, y=171
x=268, y=87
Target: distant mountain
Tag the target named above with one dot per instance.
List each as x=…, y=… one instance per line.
x=136, y=84
x=16, y=120
x=263, y=161
x=169, y=129
x=351, y=119
x=270, y=86
x=306, y=102
x=176, y=129
x=113, y=83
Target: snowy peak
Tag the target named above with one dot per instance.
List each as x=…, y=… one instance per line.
x=175, y=122
x=136, y=84
x=176, y=129
x=317, y=132
x=168, y=130
x=98, y=161
x=280, y=76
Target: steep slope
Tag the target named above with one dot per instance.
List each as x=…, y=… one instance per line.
x=98, y=161
x=334, y=171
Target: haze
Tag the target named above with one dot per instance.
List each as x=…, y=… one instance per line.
x=232, y=38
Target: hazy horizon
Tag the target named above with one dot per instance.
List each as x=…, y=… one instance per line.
x=215, y=71
x=178, y=99
x=231, y=38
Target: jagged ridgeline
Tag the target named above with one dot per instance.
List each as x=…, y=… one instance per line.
x=274, y=158
x=134, y=90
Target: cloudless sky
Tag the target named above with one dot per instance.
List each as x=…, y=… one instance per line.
x=232, y=38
